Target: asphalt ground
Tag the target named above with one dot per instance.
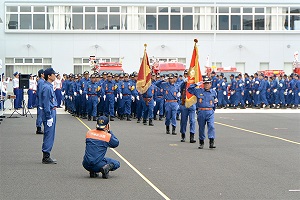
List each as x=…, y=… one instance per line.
x=257, y=157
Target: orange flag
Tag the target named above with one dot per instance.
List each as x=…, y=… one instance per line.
x=194, y=76
x=144, y=76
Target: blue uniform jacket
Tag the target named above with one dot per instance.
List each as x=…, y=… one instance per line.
x=170, y=90
x=48, y=99
x=126, y=87
x=39, y=91
x=97, y=142
x=205, y=98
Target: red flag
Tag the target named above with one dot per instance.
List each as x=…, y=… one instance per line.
x=194, y=76
x=144, y=76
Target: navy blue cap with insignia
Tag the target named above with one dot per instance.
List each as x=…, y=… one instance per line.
x=102, y=121
x=232, y=75
x=186, y=71
x=176, y=75
x=86, y=72
x=206, y=79
x=171, y=75
x=109, y=74
x=40, y=72
x=104, y=73
x=15, y=74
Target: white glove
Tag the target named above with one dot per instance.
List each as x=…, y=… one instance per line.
x=224, y=93
x=63, y=93
x=290, y=91
x=178, y=94
x=121, y=95
x=216, y=101
x=223, y=84
x=104, y=97
x=240, y=85
x=250, y=92
x=132, y=98
x=232, y=92
x=199, y=83
x=116, y=99
x=285, y=93
x=247, y=82
x=256, y=82
x=98, y=99
x=280, y=84
x=70, y=97
x=117, y=95
x=275, y=90
x=87, y=97
x=154, y=103
x=80, y=91
x=138, y=98
x=185, y=79
x=75, y=94
x=66, y=97
x=257, y=92
x=49, y=122
x=214, y=88
x=299, y=94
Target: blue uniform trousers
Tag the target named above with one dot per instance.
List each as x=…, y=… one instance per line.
x=289, y=98
x=83, y=104
x=159, y=106
x=187, y=113
x=247, y=96
x=221, y=100
x=101, y=106
x=30, y=98
x=96, y=167
x=239, y=98
x=232, y=98
x=262, y=98
x=139, y=108
x=39, y=121
x=206, y=117
x=148, y=109
x=281, y=97
x=125, y=105
x=297, y=98
x=17, y=99
x=171, y=110
x=77, y=103
x=109, y=105
x=255, y=98
x=21, y=98
x=34, y=100
x=49, y=133
x=92, y=105
x=58, y=97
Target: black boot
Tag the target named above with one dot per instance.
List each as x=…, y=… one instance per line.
x=145, y=121
x=111, y=118
x=201, y=144
x=182, y=138
x=89, y=118
x=39, y=130
x=47, y=160
x=94, y=119
x=160, y=117
x=84, y=116
x=192, y=138
x=93, y=174
x=128, y=118
x=211, y=143
x=105, y=170
x=174, y=130
x=167, y=129
x=139, y=120
x=151, y=122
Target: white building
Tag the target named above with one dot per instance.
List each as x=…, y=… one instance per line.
x=250, y=35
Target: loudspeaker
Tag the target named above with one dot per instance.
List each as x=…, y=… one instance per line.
x=24, y=81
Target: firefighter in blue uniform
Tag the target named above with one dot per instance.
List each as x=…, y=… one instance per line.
x=206, y=102
x=239, y=91
x=148, y=105
x=159, y=102
x=214, y=80
x=77, y=96
x=222, y=92
x=111, y=91
x=296, y=91
x=281, y=90
x=97, y=141
x=48, y=105
x=232, y=90
x=171, y=95
x=126, y=96
x=256, y=82
x=274, y=92
x=82, y=92
x=262, y=92
x=247, y=90
x=16, y=89
x=39, y=90
x=187, y=114
x=93, y=93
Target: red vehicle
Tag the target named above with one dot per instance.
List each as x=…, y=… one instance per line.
x=226, y=71
x=168, y=67
x=113, y=67
x=272, y=72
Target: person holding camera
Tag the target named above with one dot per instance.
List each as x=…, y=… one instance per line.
x=97, y=142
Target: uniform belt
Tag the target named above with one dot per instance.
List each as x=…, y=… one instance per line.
x=92, y=95
x=126, y=94
x=204, y=108
x=159, y=96
x=109, y=92
x=171, y=100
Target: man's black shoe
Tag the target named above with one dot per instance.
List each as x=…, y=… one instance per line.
x=89, y=118
x=47, y=160
x=39, y=130
x=201, y=144
x=94, y=119
x=211, y=143
x=84, y=117
x=160, y=118
x=111, y=118
x=182, y=138
x=144, y=121
x=174, y=130
x=167, y=129
x=128, y=118
x=151, y=122
x=192, y=138
x=93, y=175
x=105, y=170
x=138, y=121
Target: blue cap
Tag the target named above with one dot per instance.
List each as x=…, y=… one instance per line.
x=206, y=79
x=213, y=72
x=232, y=75
x=171, y=75
x=40, y=72
x=49, y=71
x=15, y=74
x=102, y=121
x=186, y=71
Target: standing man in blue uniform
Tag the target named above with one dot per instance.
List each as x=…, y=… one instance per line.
x=206, y=103
x=281, y=91
x=262, y=92
x=187, y=114
x=222, y=92
x=126, y=96
x=256, y=82
x=16, y=88
x=159, y=102
x=49, y=105
x=148, y=105
x=296, y=91
x=82, y=91
x=247, y=91
x=171, y=95
x=111, y=90
x=39, y=90
x=97, y=141
x=239, y=91
x=93, y=93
